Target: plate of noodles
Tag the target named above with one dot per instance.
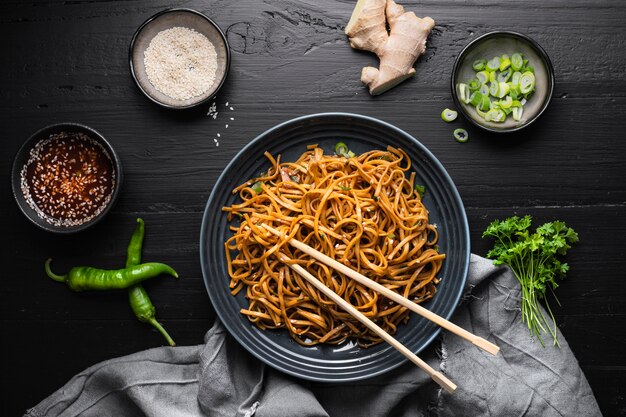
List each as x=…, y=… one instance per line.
x=359, y=190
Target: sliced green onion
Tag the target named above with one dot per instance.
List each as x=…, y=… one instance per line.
x=461, y=135
x=494, y=63
x=350, y=154
x=474, y=85
x=516, y=77
x=527, y=82
x=420, y=189
x=504, y=75
x=257, y=187
x=391, y=236
x=480, y=112
x=495, y=115
x=494, y=88
x=506, y=103
x=485, y=103
x=345, y=188
x=479, y=64
x=449, y=115
x=475, y=98
x=517, y=62
x=463, y=92
x=341, y=149
x=482, y=76
x=503, y=89
x=505, y=62
x=295, y=178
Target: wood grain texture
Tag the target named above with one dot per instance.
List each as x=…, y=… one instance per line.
x=68, y=61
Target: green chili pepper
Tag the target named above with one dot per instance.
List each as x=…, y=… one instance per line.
x=145, y=311
x=138, y=297
x=133, y=252
x=81, y=278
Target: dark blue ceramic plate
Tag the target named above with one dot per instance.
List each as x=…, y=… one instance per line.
x=346, y=362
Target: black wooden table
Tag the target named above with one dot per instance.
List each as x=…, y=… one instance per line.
x=68, y=61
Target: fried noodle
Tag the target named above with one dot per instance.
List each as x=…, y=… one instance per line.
x=362, y=211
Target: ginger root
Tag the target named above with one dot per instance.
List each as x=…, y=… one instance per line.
x=397, y=49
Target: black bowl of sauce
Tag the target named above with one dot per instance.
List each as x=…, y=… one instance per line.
x=66, y=177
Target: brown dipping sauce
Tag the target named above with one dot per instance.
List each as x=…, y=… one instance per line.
x=68, y=179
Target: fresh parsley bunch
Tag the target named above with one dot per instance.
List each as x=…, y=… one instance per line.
x=533, y=257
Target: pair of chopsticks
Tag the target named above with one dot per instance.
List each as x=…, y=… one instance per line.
x=438, y=377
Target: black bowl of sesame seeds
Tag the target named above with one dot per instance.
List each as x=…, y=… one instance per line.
x=66, y=177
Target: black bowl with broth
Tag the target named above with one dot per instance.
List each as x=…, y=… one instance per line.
x=495, y=44
x=66, y=177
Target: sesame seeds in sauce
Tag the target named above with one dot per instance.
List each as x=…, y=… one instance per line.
x=68, y=179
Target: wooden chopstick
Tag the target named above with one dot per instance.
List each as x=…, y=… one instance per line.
x=361, y=279
x=437, y=376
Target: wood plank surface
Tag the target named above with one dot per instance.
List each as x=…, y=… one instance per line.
x=68, y=61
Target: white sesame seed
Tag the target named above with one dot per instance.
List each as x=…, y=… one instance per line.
x=181, y=63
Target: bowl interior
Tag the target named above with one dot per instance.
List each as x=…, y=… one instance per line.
x=23, y=155
x=496, y=44
x=167, y=20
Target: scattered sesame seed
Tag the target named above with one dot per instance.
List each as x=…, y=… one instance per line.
x=212, y=110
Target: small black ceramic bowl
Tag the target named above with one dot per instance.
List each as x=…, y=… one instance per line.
x=495, y=44
x=73, y=163
x=168, y=19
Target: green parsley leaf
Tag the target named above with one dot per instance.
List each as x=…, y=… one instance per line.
x=533, y=258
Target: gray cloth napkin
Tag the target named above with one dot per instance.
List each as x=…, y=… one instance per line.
x=220, y=378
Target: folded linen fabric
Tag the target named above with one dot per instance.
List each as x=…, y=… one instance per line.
x=221, y=379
